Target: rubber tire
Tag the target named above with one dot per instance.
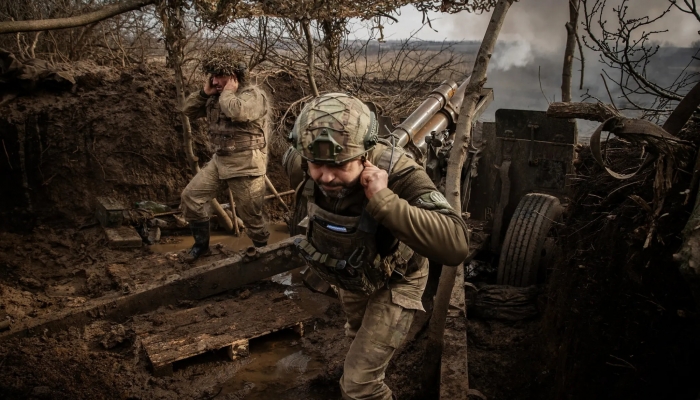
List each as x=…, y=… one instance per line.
x=522, y=247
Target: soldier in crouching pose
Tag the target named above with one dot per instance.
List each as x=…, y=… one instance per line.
x=374, y=219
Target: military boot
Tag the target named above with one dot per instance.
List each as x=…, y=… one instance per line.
x=200, y=232
x=259, y=244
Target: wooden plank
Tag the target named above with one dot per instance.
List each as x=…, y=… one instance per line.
x=194, y=284
x=227, y=324
x=454, y=371
x=454, y=376
x=123, y=237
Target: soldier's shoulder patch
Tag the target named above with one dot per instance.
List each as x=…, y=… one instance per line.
x=434, y=201
x=438, y=197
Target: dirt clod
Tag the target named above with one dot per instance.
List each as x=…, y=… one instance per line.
x=116, y=336
x=31, y=282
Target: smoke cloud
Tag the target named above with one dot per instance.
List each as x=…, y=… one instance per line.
x=509, y=55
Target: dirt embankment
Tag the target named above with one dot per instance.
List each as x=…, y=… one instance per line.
x=112, y=133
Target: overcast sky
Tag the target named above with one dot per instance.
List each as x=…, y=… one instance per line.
x=538, y=22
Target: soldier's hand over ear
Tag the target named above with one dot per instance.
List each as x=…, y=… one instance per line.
x=373, y=179
x=232, y=84
x=209, y=89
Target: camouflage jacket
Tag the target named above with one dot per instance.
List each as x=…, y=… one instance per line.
x=410, y=210
x=238, y=127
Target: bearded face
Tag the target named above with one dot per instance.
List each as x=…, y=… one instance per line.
x=339, y=190
x=337, y=181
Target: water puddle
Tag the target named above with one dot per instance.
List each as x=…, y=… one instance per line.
x=278, y=365
x=174, y=244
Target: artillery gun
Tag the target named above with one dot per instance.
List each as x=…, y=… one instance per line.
x=514, y=179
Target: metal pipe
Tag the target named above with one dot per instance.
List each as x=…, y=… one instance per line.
x=436, y=100
x=442, y=119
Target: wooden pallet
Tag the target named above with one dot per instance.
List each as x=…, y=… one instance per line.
x=229, y=324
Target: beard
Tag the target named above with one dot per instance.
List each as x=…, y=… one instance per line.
x=340, y=190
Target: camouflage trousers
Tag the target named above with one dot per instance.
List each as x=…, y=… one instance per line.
x=379, y=324
x=248, y=193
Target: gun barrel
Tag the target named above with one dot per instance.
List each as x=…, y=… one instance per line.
x=442, y=119
x=437, y=100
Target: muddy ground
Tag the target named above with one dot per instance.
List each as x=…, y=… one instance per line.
x=615, y=320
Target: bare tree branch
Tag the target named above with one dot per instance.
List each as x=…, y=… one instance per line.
x=306, y=25
x=72, y=22
x=571, y=34
x=692, y=8
x=626, y=45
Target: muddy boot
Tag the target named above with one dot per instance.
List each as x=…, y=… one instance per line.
x=200, y=231
x=259, y=244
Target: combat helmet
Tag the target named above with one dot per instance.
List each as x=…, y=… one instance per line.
x=225, y=61
x=334, y=128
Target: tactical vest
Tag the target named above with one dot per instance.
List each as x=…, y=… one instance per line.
x=230, y=136
x=343, y=250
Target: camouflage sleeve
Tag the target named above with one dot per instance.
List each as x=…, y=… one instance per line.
x=195, y=106
x=419, y=215
x=291, y=161
x=245, y=106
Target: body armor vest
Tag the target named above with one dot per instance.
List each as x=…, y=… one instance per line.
x=343, y=250
x=230, y=136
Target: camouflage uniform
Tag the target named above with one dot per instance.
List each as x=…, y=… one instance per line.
x=412, y=221
x=239, y=131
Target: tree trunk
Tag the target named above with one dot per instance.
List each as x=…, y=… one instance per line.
x=171, y=14
x=436, y=328
x=71, y=22
x=571, y=28
x=306, y=25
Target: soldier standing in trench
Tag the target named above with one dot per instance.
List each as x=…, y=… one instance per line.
x=238, y=116
x=374, y=217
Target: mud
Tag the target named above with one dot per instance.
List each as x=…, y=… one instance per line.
x=278, y=365
x=105, y=360
x=46, y=271
x=278, y=231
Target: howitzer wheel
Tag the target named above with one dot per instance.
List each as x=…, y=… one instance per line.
x=524, y=243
